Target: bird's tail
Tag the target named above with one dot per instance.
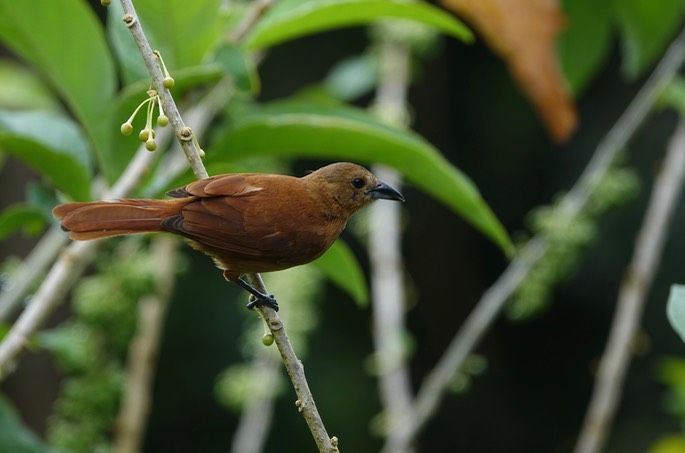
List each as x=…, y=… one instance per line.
x=101, y=219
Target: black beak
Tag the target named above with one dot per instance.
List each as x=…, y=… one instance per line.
x=384, y=191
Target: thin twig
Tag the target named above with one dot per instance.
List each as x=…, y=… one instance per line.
x=32, y=268
x=295, y=369
x=66, y=270
x=292, y=364
x=632, y=297
x=50, y=245
x=490, y=305
x=257, y=10
x=183, y=132
x=387, y=279
x=255, y=419
x=143, y=349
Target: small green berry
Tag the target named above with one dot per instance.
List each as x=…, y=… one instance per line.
x=268, y=339
x=145, y=134
x=163, y=120
x=126, y=129
x=151, y=144
x=105, y=2
x=168, y=82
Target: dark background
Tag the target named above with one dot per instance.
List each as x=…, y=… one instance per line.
x=534, y=392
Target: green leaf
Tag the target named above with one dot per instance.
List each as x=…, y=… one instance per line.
x=23, y=90
x=341, y=267
x=237, y=64
x=14, y=436
x=673, y=95
x=675, y=309
x=186, y=33
x=646, y=26
x=29, y=219
x=352, y=78
x=52, y=145
x=65, y=42
x=296, y=130
x=586, y=43
x=294, y=19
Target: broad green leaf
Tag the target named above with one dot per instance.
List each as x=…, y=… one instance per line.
x=23, y=90
x=673, y=95
x=65, y=42
x=352, y=78
x=646, y=26
x=675, y=309
x=235, y=62
x=295, y=130
x=186, y=33
x=14, y=436
x=27, y=218
x=341, y=267
x=672, y=371
x=587, y=41
x=669, y=443
x=293, y=19
x=43, y=198
x=52, y=145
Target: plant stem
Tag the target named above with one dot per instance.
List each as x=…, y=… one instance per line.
x=183, y=133
x=305, y=400
x=632, y=297
x=292, y=364
x=489, y=306
x=143, y=349
x=385, y=245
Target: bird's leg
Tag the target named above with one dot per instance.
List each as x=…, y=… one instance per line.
x=260, y=299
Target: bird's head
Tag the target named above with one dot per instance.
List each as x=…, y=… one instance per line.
x=351, y=186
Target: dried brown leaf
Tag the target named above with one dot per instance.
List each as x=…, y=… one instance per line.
x=523, y=33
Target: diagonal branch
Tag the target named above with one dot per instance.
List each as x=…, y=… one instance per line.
x=66, y=270
x=632, y=297
x=481, y=318
x=183, y=132
x=292, y=364
x=305, y=400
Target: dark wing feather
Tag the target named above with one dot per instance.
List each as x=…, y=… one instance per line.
x=220, y=222
x=234, y=185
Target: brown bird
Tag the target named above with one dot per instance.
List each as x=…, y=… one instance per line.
x=247, y=222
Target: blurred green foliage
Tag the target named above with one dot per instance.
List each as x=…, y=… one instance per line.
x=91, y=349
x=60, y=114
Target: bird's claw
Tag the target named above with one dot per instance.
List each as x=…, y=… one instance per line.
x=263, y=301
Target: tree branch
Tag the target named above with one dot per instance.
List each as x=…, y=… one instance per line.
x=259, y=7
x=492, y=301
x=293, y=365
x=305, y=400
x=385, y=245
x=66, y=270
x=32, y=268
x=256, y=417
x=142, y=357
x=183, y=132
x=632, y=297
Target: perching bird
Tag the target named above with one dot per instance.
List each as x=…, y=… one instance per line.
x=247, y=222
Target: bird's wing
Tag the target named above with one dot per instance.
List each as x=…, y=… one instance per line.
x=231, y=223
x=234, y=185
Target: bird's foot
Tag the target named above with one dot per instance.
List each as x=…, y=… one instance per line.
x=263, y=301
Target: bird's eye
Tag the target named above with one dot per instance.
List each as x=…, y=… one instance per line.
x=358, y=183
